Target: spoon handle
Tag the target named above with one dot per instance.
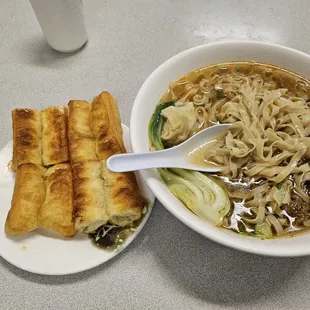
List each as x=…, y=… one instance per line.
x=139, y=161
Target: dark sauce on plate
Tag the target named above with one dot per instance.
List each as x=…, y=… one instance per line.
x=112, y=237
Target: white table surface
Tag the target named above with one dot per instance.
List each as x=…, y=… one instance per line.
x=168, y=266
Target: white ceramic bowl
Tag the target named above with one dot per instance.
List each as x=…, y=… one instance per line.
x=156, y=85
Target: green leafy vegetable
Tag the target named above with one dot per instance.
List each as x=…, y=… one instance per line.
x=263, y=230
x=199, y=193
x=282, y=193
x=156, y=125
x=279, y=185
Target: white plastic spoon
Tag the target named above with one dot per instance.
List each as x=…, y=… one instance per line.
x=174, y=157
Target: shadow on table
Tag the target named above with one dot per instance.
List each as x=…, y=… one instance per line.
x=213, y=272
x=36, y=51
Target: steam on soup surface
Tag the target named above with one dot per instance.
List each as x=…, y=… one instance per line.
x=264, y=185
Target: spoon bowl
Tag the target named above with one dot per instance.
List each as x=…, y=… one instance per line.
x=174, y=157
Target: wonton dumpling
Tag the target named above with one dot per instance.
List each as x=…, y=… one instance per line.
x=179, y=123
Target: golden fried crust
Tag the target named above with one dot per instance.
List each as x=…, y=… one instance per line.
x=56, y=211
x=82, y=150
x=107, y=146
x=82, y=142
x=88, y=199
x=27, y=130
x=55, y=148
x=28, y=196
x=105, y=123
x=122, y=195
x=79, y=118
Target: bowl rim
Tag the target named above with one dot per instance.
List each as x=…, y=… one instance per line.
x=152, y=178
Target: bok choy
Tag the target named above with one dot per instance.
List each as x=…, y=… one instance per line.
x=156, y=125
x=197, y=191
x=263, y=230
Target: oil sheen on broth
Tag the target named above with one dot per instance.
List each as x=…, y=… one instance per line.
x=264, y=155
x=197, y=156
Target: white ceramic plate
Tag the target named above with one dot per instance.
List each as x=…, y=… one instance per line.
x=151, y=92
x=42, y=251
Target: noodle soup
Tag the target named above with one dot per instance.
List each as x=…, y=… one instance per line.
x=264, y=184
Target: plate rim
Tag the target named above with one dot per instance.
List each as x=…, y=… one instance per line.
x=151, y=197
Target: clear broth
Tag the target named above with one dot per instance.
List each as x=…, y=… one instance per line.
x=196, y=157
x=282, y=78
